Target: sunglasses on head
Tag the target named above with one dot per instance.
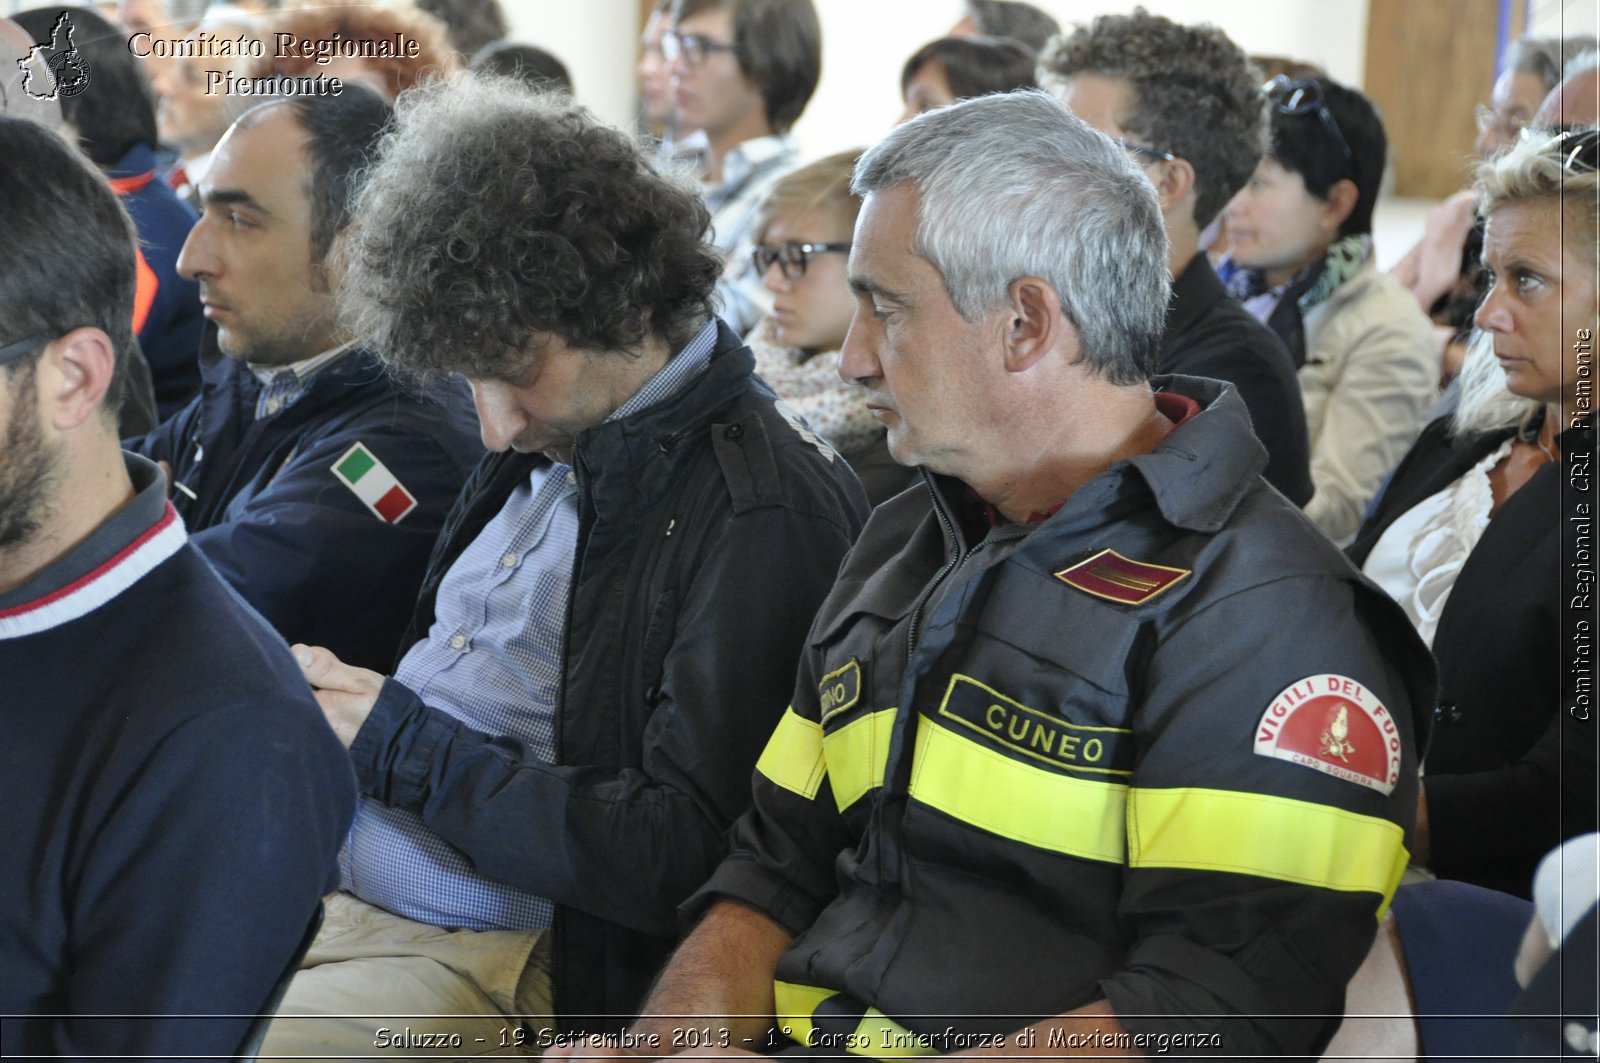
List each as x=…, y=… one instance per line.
x=790, y=256
x=1578, y=149
x=1305, y=97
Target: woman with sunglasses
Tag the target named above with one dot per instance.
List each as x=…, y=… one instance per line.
x=1469, y=534
x=802, y=233
x=1301, y=261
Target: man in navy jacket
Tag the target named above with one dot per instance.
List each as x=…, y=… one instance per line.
x=311, y=481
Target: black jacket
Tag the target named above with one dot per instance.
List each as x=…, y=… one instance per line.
x=1210, y=334
x=710, y=530
x=1510, y=774
x=1025, y=768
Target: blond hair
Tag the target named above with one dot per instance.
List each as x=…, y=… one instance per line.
x=1533, y=171
x=821, y=185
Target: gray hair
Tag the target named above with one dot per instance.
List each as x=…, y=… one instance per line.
x=1014, y=185
x=1546, y=57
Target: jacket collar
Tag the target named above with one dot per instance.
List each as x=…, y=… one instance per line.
x=231, y=377
x=138, y=537
x=1193, y=293
x=1204, y=468
x=612, y=458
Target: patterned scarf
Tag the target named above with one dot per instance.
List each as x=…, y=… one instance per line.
x=835, y=410
x=1283, y=308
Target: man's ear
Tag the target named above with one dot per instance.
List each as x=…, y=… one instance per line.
x=1341, y=201
x=1037, y=323
x=1174, y=183
x=79, y=368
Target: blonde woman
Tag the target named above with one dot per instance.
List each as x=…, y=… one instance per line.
x=1468, y=535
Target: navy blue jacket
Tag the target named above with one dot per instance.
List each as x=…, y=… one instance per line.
x=283, y=530
x=170, y=337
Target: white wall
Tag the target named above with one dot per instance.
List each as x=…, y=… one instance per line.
x=1564, y=17
x=597, y=39
x=866, y=41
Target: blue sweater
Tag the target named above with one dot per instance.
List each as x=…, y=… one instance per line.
x=171, y=799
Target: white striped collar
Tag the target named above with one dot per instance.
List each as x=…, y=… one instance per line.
x=137, y=538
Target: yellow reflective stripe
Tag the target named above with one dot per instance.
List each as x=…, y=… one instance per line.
x=876, y=1035
x=795, y=1004
x=986, y=788
x=793, y=756
x=855, y=755
x=882, y=1038
x=1259, y=834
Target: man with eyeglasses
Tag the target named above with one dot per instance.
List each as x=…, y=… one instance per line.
x=1186, y=103
x=742, y=73
x=171, y=799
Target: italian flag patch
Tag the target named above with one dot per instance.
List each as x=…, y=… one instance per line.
x=374, y=484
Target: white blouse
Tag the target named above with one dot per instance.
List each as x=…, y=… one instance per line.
x=1418, y=557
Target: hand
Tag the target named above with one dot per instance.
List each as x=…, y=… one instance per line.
x=346, y=693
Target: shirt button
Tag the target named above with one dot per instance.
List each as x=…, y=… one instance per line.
x=572, y=478
x=509, y=561
x=458, y=642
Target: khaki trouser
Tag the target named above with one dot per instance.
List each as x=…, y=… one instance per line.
x=374, y=984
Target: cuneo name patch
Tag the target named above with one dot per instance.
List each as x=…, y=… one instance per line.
x=372, y=482
x=1334, y=725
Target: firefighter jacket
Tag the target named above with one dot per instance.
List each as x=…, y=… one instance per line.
x=1159, y=748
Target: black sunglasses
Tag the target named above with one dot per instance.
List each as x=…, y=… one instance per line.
x=12, y=351
x=1304, y=97
x=790, y=257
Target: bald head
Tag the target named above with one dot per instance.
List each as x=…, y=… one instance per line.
x=1576, y=101
x=14, y=45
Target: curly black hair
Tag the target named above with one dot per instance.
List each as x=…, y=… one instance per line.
x=498, y=216
x=1195, y=94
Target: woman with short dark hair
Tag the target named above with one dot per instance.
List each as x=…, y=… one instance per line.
x=1302, y=262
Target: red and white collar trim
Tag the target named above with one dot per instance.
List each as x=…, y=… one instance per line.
x=101, y=584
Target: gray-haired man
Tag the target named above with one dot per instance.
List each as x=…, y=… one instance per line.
x=1059, y=772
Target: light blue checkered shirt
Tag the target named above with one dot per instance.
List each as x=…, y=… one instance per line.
x=492, y=659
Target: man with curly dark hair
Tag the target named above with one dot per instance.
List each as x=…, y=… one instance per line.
x=608, y=628
x=1187, y=104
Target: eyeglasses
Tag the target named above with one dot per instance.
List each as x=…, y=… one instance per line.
x=1145, y=149
x=12, y=351
x=790, y=257
x=1304, y=97
x=693, y=47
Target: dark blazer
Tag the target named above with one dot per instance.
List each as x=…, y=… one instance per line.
x=1210, y=334
x=1509, y=773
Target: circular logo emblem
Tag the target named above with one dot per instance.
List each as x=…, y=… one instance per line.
x=71, y=72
